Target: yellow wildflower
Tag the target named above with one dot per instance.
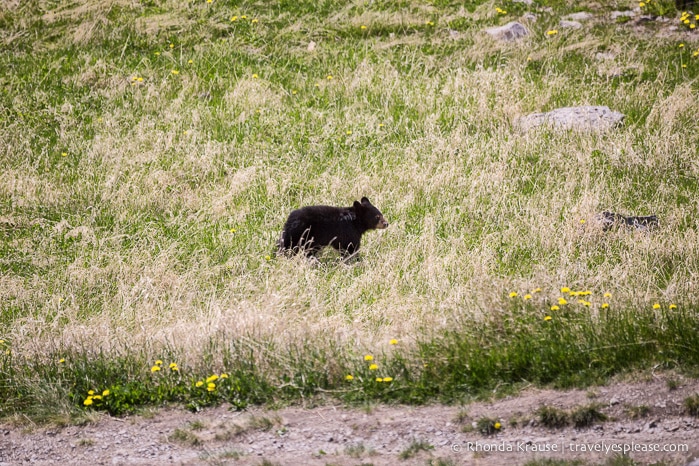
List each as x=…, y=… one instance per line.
x=349, y=378
x=90, y=392
x=224, y=376
x=604, y=305
x=562, y=301
x=565, y=289
x=656, y=306
x=379, y=379
x=199, y=383
x=211, y=387
x=158, y=362
x=607, y=294
x=373, y=367
x=362, y=27
x=673, y=306
x=212, y=378
x=155, y=368
x=552, y=32
x=536, y=290
x=393, y=341
x=527, y=296
x=234, y=18
x=88, y=401
x=513, y=294
x=255, y=76
x=547, y=318
x=106, y=393
x=368, y=357
x=555, y=308
x=388, y=379
x=175, y=72
x=497, y=426
x=254, y=21
x=61, y=361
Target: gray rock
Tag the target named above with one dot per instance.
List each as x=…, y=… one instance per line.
x=623, y=14
x=579, y=16
x=509, y=32
x=526, y=2
x=577, y=118
x=570, y=24
x=531, y=17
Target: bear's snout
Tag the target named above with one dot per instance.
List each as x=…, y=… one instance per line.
x=382, y=224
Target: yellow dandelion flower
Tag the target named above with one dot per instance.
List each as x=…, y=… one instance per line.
x=329, y=77
x=562, y=301
x=513, y=294
x=582, y=221
x=88, y=401
x=696, y=17
x=97, y=397
x=586, y=303
x=527, y=296
x=555, y=308
x=157, y=54
x=223, y=376
x=140, y=79
x=244, y=17
x=348, y=132
x=210, y=386
x=681, y=46
x=212, y=378
x=173, y=366
x=692, y=26
x=373, y=367
x=190, y=61
x=209, y=1
x=234, y=18
x=158, y=362
x=552, y=32
x=379, y=379
x=268, y=257
x=393, y=341
x=695, y=54
x=381, y=125
x=172, y=46
x=61, y=361
x=199, y=383
x=155, y=368
x=607, y=294
x=106, y=393
x=673, y=306
x=547, y=318
x=255, y=76
x=656, y=306
x=429, y=23
x=64, y=154
x=362, y=27
x=175, y=72
x=349, y=378
x=388, y=379
x=368, y=357
x=565, y=289
x=254, y=21
x=497, y=426
x=604, y=305
x=90, y=392
x=641, y=4
x=294, y=92
x=536, y=290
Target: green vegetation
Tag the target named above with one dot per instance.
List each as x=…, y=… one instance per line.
x=151, y=151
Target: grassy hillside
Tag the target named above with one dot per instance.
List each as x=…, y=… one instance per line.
x=151, y=151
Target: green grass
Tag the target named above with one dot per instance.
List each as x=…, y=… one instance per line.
x=152, y=150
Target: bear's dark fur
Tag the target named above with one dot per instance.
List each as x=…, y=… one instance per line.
x=311, y=228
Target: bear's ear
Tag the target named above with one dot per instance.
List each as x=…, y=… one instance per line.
x=365, y=200
x=357, y=206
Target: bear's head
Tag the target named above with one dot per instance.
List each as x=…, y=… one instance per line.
x=369, y=215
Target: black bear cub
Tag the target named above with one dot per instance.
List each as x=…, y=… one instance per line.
x=311, y=228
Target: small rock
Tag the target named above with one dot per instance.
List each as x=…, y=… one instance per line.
x=622, y=14
x=526, y=2
x=652, y=424
x=570, y=24
x=531, y=17
x=577, y=118
x=311, y=46
x=605, y=56
x=579, y=16
x=614, y=401
x=509, y=32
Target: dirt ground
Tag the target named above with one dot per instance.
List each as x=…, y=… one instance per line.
x=379, y=435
